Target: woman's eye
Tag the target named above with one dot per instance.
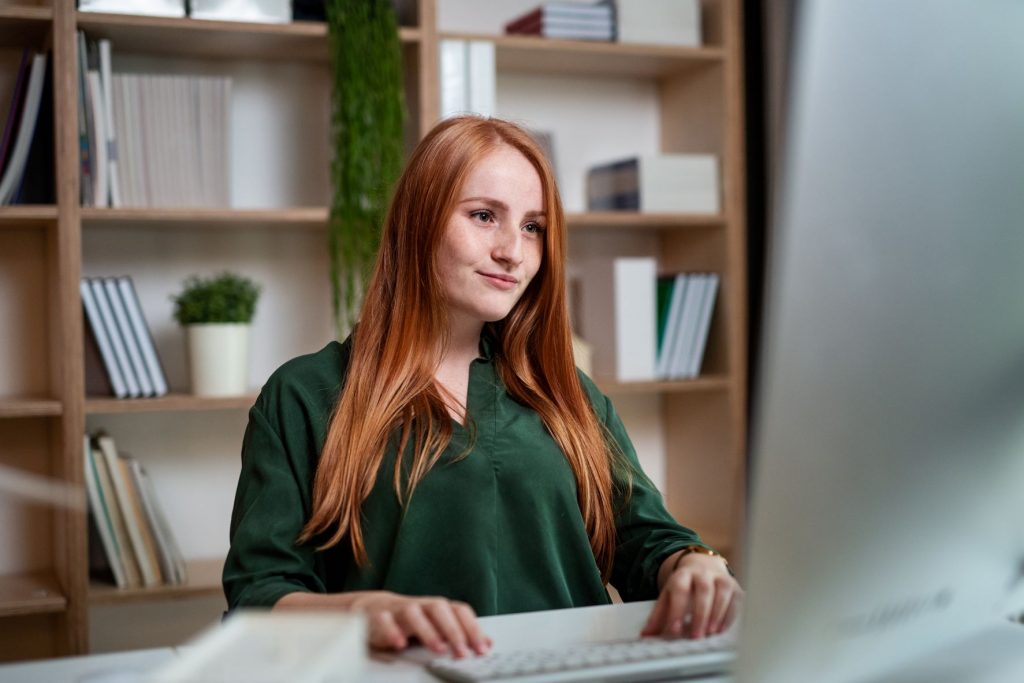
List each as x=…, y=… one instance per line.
x=534, y=228
x=485, y=216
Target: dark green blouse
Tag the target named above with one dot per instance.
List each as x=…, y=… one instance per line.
x=499, y=529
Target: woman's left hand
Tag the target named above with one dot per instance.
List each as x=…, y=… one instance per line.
x=698, y=598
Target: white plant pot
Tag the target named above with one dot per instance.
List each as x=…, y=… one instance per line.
x=218, y=358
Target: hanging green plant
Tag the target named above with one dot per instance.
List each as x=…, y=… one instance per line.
x=367, y=123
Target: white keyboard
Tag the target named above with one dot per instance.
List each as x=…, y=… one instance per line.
x=646, y=659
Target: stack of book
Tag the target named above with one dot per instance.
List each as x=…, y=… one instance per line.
x=663, y=183
x=566, y=20
x=646, y=328
x=130, y=539
x=26, y=151
x=151, y=140
x=156, y=8
x=121, y=358
x=468, y=77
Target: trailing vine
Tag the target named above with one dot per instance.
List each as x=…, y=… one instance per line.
x=367, y=119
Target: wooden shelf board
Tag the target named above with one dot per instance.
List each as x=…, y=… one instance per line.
x=302, y=217
x=633, y=219
x=166, y=404
x=24, y=26
x=295, y=41
x=27, y=215
x=33, y=593
x=597, y=58
x=708, y=383
x=30, y=407
x=204, y=579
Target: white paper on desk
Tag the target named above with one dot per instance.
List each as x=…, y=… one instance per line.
x=274, y=647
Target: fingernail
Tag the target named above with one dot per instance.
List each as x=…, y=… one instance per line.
x=677, y=628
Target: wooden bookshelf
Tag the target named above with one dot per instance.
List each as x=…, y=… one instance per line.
x=314, y=218
x=631, y=220
x=31, y=593
x=166, y=404
x=27, y=215
x=204, y=579
x=29, y=407
x=237, y=219
x=699, y=384
x=700, y=109
x=595, y=58
x=186, y=37
x=24, y=25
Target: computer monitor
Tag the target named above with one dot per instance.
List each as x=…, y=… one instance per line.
x=887, y=517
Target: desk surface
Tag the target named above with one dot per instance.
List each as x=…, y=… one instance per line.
x=993, y=656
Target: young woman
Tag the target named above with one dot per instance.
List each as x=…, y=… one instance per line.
x=448, y=460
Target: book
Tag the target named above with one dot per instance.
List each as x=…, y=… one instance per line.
x=663, y=183
x=567, y=31
x=658, y=22
x=686, y=334
x=106, y=84
x=15, y=167
x=454, y=76
x=14, y=111
x=102, y=519
x=138, y=514
x=102, y=341
x=703, y=326
x=85, y=129
x=619, y=317
x=172, y=562
x=263, y=11
x=97, y=138
x=142, y=335
x=126, y=554
x=38, y=182
x=124, y=494
x=565, y=11
x=482, y=77
x=672, y=318
x=99, y=295
x=127, y=333
x=155, y=8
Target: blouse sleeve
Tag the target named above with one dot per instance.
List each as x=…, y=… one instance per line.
x=264, y=562
x=645, y=531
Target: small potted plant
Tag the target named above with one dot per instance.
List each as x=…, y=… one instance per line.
x=217, y=314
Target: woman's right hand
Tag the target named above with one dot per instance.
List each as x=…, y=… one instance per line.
x=442, y=625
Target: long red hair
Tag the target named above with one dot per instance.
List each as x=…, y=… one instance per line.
x=402, y=334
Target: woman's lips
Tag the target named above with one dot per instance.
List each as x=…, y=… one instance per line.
x=503, y=282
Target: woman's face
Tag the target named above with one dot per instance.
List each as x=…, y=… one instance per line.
x=494, y=240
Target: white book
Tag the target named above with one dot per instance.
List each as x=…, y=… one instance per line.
x=636, y=318
x=127, y=334
x=177, y=91
x=204, y=139
x=150, y=577
x=98, y=504
x=140, y=154
x=172, y=563
x=687, y=326
x=99, y=333
x=659, y=22
x=577, y=32
x=263, y=11
x=101, y=169
x=675, y=308
x=703, y=326
x=113, y=334
x=142, y=334
x=454, y=73
x=15, y=169
x=130, y=564
x=156, y=8
x=224, y=144
x=106, y=83
x=482, y=83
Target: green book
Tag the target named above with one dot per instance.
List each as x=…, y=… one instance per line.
x=665, y=285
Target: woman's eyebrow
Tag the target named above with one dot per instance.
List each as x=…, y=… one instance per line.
x=498, y=204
